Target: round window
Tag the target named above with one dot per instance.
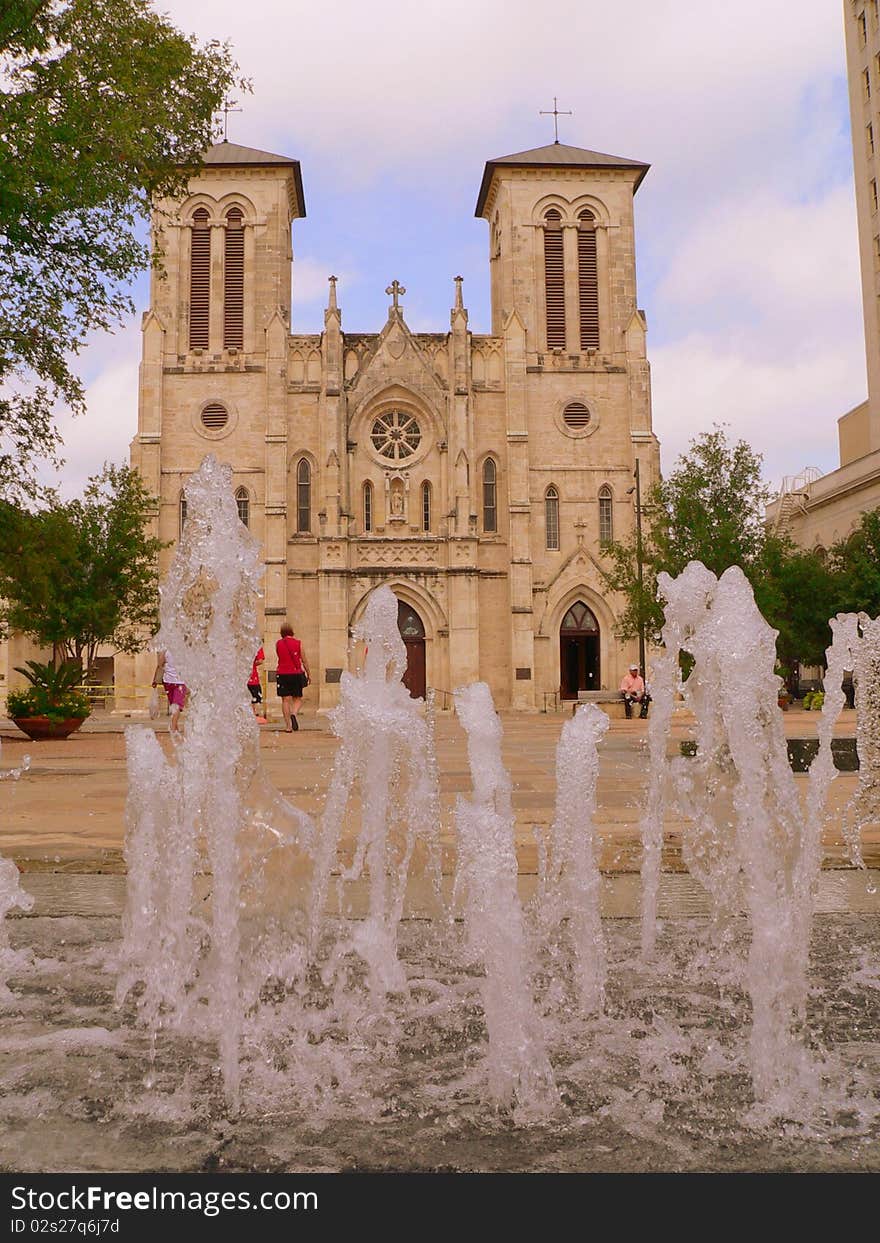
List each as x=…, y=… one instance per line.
x=576, y=415
x=215, y=416
x=396, y=435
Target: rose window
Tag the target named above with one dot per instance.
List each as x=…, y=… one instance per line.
x=396, y=435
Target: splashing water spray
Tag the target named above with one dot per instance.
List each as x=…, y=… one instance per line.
x=744, y=838
x=283, y=944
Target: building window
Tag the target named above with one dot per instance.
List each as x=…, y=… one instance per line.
x=551, y=519
x=606, y=517
x=490, y=495
x=368, y=507
x=233, y=281
x=866, y=85
x=863, y=29
x=303, y=496
x=554, y=280
x=181, y=518
x=426, y=507
x=873, y=187
x=877, y=248
x=199, y=280
x=869, y=133
x=588, y=281
x=243, y=501
x=874, y=15
x=396, y=435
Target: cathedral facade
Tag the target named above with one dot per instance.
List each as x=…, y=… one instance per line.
x=476, y=475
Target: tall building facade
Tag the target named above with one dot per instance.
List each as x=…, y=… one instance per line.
x=476, y=474
x=819, y=510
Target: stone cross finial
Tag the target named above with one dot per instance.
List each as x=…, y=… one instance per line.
x=395, y=289
x=332, y=301
x=555, y=113
x=459, y=305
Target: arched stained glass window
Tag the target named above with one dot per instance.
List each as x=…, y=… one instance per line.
x=606, y=516
x=426, y=506
x=580, y=619
x=368, y=506
x=243, y=501
x=490, y=495
x=303, y=496
x=551, y=518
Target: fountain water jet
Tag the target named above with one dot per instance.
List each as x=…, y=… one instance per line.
x=746, y=836
x=191, y=811
x=519, y=1069
x=386, y=752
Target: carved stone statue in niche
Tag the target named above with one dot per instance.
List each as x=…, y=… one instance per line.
x=397, y=499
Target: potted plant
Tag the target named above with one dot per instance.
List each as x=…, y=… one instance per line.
x=52, y=706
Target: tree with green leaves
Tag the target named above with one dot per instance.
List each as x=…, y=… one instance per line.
x=79, y=574
x=712, y=508
x=104, y=105
x=709, y=509
x=856, y=563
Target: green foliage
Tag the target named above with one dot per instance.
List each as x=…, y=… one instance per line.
x=52, y=692
x=83, y=573
x=104, y=106
x=855, y=562
x=712, y=509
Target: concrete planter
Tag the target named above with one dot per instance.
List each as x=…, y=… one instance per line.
x=40, y=728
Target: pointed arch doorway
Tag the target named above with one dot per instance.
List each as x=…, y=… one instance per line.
x=579, y=667
x=412, y=631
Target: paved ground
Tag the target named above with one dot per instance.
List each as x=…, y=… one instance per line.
x=66, y=812
x=658, y=1081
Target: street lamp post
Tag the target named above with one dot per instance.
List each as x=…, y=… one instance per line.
x=642, y=667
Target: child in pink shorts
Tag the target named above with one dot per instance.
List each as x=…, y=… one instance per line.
x=173, y=685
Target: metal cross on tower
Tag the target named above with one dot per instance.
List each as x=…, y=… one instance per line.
x=395, y=289
x=229, y=105
x=555, y=113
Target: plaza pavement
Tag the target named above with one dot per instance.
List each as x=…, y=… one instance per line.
x=66, y=813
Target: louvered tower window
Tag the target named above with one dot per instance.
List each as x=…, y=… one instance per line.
x=303, y=496
x=490, y=495
x=181, y=516
x=368, y=507
x=551, y=518
x=233, y=281
x=426, y=507
x=554, y=280
x=588, y=281
x=199, y=280
x=243, y=501
x=606, y=517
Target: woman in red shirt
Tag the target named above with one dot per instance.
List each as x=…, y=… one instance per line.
x=292, y=675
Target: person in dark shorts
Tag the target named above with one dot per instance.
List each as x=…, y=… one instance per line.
x=254, y=686
x=292, y=676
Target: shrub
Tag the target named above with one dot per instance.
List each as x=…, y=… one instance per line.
x=52, y=692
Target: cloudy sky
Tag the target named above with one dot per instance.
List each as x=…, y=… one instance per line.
x=746, y=230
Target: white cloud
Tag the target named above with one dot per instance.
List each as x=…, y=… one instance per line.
x=746, y=240
x=786, y=408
